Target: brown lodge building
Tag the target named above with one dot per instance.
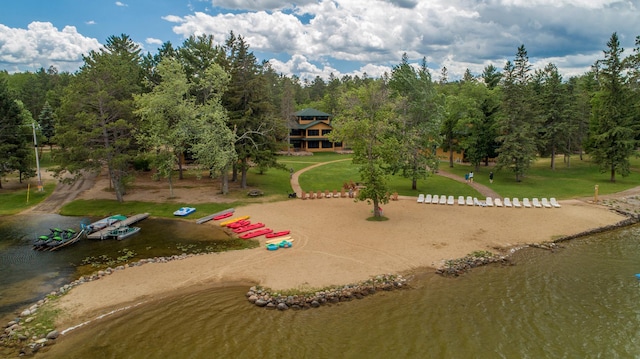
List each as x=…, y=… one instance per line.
x=309, y=133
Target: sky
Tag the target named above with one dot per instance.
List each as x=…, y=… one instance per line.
x=310, y=38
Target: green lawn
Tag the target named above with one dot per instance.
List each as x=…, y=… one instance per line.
x=564, y=182
x=333, y=175
x=15, y=201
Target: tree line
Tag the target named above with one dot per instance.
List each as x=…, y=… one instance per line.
x=227, y=111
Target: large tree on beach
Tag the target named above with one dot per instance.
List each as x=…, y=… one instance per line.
x=366, y=122
x=96, y=120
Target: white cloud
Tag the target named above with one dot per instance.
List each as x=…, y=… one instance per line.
x=90, y=22
x=151, y=40
x=43, y=45
x=459, y=34
x=119, y=3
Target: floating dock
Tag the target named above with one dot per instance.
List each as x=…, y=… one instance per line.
x=103, y=233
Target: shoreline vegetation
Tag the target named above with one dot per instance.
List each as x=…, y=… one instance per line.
x=333, y=260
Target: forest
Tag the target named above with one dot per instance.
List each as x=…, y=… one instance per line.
x=218, y=105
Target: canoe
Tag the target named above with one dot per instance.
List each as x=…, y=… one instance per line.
x=248, y=228
x=277, y=234
x=239, y=224
x=223, y=216
x=256, y=233
x=278, y=240
x=229, y=221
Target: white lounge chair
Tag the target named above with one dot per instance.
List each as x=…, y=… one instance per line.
x=507, y=202
x=554, y=202
x=451, y=200
x=469, y=201
x=497, y=202
x=476, y=202
x=461, y=200
x=421, y=198
x=545, y=203
x=443, y=200
x=536, y=203
x=489, y=202
x=427, y=199
x=435, y=199
x=526, y=203
x=516, y=203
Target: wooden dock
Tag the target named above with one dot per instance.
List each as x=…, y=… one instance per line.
x=101, y=234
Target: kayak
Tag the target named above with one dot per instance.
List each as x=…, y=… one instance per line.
x=277, y=234
x=278, y=240
x=229, y=221
x=223, y=216
x=248, y=228
x=256, y=233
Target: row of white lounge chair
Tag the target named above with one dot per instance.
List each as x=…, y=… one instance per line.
x=489, y=202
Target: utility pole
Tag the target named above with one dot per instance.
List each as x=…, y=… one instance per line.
x=35, y=145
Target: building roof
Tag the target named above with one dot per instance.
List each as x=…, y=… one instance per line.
x=310, y=112
x=310, y=124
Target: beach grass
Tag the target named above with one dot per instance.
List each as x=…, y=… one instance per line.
x=15, y=201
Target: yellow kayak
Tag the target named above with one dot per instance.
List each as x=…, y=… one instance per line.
x=229, y=221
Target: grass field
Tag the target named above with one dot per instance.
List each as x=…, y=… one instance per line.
x=564, y=182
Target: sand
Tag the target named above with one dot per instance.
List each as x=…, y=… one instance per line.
x=335, y=244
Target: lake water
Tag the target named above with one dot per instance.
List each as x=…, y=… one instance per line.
x=581, y=301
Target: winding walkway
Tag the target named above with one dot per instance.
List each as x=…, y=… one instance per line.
x=484, y=190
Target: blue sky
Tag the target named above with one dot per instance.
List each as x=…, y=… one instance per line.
x=311, y=38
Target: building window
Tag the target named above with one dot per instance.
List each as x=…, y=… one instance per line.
x=326, y=144
x=337, y=144
x=296, y=132
x=326, y=132
x=313, y=132
x=313, y=144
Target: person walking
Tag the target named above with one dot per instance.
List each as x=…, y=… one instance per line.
x=471, y=176
x=466, y=177
x=490, y=177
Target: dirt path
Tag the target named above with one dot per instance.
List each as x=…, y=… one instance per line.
x=63, y=194
x=484, y=190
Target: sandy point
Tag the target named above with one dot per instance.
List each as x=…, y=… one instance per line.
x=335, y=244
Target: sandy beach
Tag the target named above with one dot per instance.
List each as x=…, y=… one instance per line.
x=335, y=244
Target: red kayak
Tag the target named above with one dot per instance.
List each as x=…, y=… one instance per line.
x=277, y=234
x=256, y=233
x=238, y=224
x=248, y=228
x=223, y=216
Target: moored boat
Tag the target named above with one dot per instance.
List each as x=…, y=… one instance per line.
x=122, y=232
x=104, y=223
